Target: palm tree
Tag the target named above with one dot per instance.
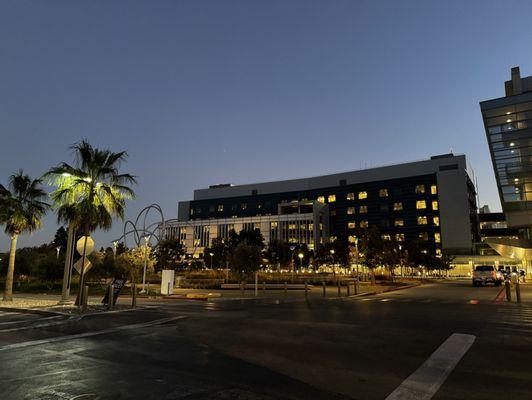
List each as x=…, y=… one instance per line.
x=90, y=193
x=22, y=206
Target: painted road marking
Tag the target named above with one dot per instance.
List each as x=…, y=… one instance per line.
x=21, y=321
x=428, y=378
x=89, y=334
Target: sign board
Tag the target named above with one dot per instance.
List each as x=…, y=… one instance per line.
x=118, y=284
x=86, y=267
x=80, y=244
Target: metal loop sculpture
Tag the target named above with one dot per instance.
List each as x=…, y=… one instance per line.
x=152, y=233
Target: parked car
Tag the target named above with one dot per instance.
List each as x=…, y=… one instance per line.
x=484, y=274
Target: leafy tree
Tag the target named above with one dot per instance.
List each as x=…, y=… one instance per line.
x=246, y=259
x=130, y=264
x=371, y=246
x=22, y=206
x=169, y=254
x=92, y=191
x=339, y=255
x=60, y=238
x=121, y=248
x=278, y=253
x=220, y=250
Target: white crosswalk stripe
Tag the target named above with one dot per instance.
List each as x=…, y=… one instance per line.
x=514, y=317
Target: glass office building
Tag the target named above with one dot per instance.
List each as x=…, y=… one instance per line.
x=508, y=124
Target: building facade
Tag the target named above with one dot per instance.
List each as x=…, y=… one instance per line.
x=508, y=125
x=431, y=201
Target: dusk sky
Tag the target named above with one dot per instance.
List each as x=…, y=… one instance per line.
x=205, y=92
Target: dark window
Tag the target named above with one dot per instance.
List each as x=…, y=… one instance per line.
x=448, y=167
x=343, y=182
x=397, y=192
x=384, y=207
x=211, y=209
x=254, y=192
x=385, y=223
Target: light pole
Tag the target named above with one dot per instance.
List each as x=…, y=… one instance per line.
x=301, y=256
x=356, y=254
x=57, y=249
x=147, y=240
x=332, y=258
x=115, y=245
x=211, y=254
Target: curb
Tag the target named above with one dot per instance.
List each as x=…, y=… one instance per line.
x=30, y=311
x=384, y=291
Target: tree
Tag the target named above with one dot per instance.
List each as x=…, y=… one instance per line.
x=90, y=193
x=371, y=247
x=60, y=238
x=278, y=253
x=246, y=259
x=22, y=207
x=220, y=251
x=169, y=254
x=130, y=264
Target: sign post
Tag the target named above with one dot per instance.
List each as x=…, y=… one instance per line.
x=84, y=246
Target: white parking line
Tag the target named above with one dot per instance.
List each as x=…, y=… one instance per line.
x=89, y=334
x=428, y=378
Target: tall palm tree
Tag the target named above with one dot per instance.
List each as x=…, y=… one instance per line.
x=22, y=206
x=90, y=193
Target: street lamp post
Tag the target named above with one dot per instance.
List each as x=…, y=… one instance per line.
x=57, y=249
x=332, y=260
x=211, y=254
x=115, y=245
x=147, y=240
x=301, y=256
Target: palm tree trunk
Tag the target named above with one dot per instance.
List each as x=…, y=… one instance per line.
x=8, y=291
x=68, y=266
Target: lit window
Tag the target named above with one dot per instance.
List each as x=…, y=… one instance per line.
x=220, y=207
x=259, y=205
x=350, y=210
x=352, y=239
x=191, y=211
x=433, y=189
x=400, y=237
x=350, y=196
x=310, y=226
x=436, y=221
x=420, y=189
x=333, y=239
x=386, y=237
x=292, y=226
x=364, y=224
x=423, y=236
x=243, y=206
x=332, y=198
x=362, y=195
x=399, y=222
x=421, y=204
x=383, y=193
x=321, y=199
x=273, y=225
x=397, y=206
x=363, y=209
x=351, y=225
x=434, y=205
x=437, y=237
x=422, y=220
x=438, y=252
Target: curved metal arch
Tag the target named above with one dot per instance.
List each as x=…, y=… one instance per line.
x=148, y=233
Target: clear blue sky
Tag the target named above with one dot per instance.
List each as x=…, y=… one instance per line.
x=203, y=92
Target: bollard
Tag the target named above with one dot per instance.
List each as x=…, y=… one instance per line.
x=508, y=291
x=110, y=298
x=84, y=298
x=285, y=288
x=348, y=289
x=306, y=289
x=518, y=292
x=168, y=290
x=133, y=295
x=324, y=289
x=264, y=286
x=242, y=288
x=148, y=290
x=356, y=285
x=339, y=289
x=256, y=284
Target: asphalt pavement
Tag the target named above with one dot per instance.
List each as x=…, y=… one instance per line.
x=350, y=348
